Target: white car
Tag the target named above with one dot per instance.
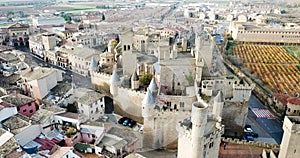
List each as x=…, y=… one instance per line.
x=248, y=130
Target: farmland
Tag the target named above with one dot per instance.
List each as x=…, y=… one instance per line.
x=273, y=65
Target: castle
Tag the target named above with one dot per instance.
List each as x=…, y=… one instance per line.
x=176, y=92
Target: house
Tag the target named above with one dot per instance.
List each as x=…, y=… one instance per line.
x=15, y=124
x=7, y=143
x=118, y=142
x=25, y=105
x=79, y=57
x=7, y=110
x=70, y=119
x=65, y=152
x=89, y=134
x=293, y=106
x=92, y=105
x=18, y=34
x=38, y=82
x=280, y=101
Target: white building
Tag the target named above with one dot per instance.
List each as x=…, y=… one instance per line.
x=290, y=146
x=49, y=20
x=40, y=81
x=7, y=110
x=92, y=105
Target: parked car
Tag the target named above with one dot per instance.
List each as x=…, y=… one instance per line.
x=253, y=134
x=248, y=138
x=121, y=120
x=132, y=123
x=248, y=129
x=247, y=126
x=125, y=123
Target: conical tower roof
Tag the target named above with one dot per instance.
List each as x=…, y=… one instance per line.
x=219, y=98
x=148, y=99
x=152, y=85
x=94, y=63
x=134, y=76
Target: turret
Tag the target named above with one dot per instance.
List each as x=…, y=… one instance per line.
x=110, y=47
x=148, y=104
x=153, y=87
x=94, y=65
x=135, y=81
x=115, y=82
x=218, y=105
x=199, y=120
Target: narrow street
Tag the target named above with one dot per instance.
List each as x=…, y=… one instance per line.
x=262, y=122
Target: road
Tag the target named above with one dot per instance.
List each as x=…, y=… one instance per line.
x=69, y=76
x=265, y=127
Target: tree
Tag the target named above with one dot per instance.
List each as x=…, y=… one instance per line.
x=145, y=79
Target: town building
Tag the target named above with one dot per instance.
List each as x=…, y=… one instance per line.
x=25, y=105
x=38, y=82
x=18, y=35
x=248, y=32
x=92, y=105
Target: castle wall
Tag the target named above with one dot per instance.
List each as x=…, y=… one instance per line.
x=100, y=79
x=130, y=101
x=160, y=130
x=178, y=100
x=234, y=117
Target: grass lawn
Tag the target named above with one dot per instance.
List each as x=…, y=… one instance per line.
x=295, y=50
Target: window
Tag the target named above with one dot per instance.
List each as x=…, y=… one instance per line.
x=31, y=111
x=24, y=110
x=289, y=110
x=97, y=109
x=91, y=111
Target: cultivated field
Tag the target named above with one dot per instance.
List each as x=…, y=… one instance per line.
x=273, y=65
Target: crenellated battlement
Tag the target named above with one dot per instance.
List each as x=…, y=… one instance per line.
x=252, y=143
x=131, y=91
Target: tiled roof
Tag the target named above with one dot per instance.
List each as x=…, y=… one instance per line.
x=39, y=73
x=16, y=124
x=41, y=116
x=9, y=144
x=294, y=100
x=282, y=98
x=5, y=104
x=17, y=99
x=90, y=97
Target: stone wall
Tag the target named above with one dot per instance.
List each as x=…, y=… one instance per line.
x=234, y=117
x=252, y=143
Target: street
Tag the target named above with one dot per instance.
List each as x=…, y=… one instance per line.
x=69, y=76
x=266, y=125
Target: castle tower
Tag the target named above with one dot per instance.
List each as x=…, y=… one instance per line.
x=148, y=113
x=174, y=52
x=148, y=104
x=110, y=47
x=241, y=91
x=135, y=81
x=218, y=105
x=115, y=82
x=153, y=87
x=199, y=120
x=129, y=59
x=49, y=41
x=94, y=65
x=290, y=146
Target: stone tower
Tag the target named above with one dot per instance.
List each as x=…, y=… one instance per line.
x=148, y=114
x=49, y=41
x=199, y=120
x=135, y=81
x=290, y=146
x=111, y=47
x=129, y=59
x=218, y=105
x=115, y=82
x=241, y=91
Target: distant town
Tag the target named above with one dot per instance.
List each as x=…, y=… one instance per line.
x=149, y=79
